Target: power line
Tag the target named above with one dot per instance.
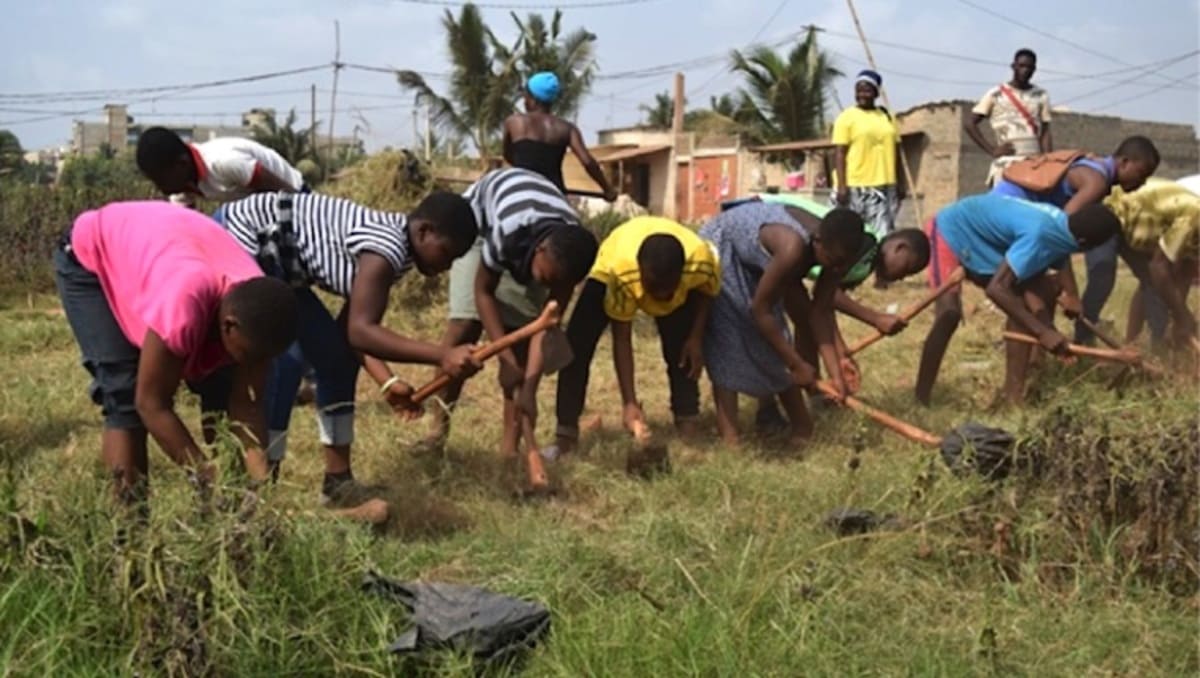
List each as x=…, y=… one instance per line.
x=163, y=88
x=593, y=4
x=757, y=35
x=1116, y=102
x=1082, y=48
x=965, y=58
x=1136, y=76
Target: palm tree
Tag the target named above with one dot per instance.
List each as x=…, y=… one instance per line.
x=784, y=97
x=293, y=144
x=660, y=113
x=483, y=82
x=567, y=56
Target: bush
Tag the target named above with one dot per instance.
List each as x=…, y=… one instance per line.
x=34, y=216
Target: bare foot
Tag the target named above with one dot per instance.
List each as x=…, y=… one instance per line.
x=373, y=511
x=257, y=466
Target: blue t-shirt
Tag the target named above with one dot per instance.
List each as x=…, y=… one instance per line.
x=984, y=230
x=1062, y=193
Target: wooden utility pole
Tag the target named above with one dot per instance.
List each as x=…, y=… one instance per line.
x=337, y=69
x=912, y=181
x=428, y=137
x=677, y=117
x=312, y=119
x=671, y=208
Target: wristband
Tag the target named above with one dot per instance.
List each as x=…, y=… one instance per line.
x=392, y=381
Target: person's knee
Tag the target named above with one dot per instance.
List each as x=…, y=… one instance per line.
x=114, y=388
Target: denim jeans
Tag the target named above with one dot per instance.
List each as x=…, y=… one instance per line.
x=109, y=356
x=1101, y=278
x=321, y=343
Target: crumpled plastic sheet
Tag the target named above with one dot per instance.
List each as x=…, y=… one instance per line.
x=492, y=627
x=979, y=448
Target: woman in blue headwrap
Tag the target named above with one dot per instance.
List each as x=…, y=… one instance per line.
x=537, y=139
x=868, y=152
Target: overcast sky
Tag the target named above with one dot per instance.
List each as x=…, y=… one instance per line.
x=52, y=46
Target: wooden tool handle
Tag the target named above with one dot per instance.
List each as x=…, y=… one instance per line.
x=549, y=318
x=912, y=311
x=1121, y=356
x=1101, y=334
x=904, y=428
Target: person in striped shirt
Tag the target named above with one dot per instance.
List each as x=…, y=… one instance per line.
x=531, y=248
x=356, y=253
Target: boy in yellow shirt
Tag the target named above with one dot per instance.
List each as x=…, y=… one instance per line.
x=665, y=270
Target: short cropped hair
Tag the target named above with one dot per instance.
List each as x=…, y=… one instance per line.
x=1095, y=223
x=1140, y=149
x=158, y=149
x=451, y=218
x=266, y=312
x=661, y=256
x=574, y=249
x=841, y=231
x=916, y=241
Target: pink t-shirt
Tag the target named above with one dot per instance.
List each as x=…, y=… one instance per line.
x=164, y=268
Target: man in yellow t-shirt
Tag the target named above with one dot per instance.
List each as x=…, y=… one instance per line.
x=670, y=273
x=1160, y=241
x=868, y=152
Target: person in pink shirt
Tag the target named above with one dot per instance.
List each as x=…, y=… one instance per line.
x=157, y=294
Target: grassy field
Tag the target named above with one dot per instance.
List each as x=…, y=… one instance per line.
x=723, y=567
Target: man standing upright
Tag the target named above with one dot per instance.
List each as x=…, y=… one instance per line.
x=1020, y=115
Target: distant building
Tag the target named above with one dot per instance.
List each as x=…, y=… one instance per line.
x=119, y=130
x=948, y=165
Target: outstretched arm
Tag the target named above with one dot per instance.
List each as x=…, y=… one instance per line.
x=367, y=304
x=580, y=149
x=158, y=376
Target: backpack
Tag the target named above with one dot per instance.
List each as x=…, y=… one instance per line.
x=1042, y=173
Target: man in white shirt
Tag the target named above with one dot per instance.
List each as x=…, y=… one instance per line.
x=223, y=169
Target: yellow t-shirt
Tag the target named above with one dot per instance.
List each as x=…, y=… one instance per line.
x=617, y=267
x=1160, y=213
x=871, y=138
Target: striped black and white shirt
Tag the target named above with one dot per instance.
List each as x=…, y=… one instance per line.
x=515, y=209
x=307, y=238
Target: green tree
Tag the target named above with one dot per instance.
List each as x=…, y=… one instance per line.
x=293, y=144
x=12, y=158
x=569, y=56
x=785, y=96
x=483, y=80
x=660, y=112
x=486, y=74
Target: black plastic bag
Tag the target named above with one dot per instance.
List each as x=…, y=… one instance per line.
x=851, y=521
x=979, y=448
x=493, y=628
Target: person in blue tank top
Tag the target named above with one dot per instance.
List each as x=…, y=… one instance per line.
x=1006, y=245
x=1088, y=182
